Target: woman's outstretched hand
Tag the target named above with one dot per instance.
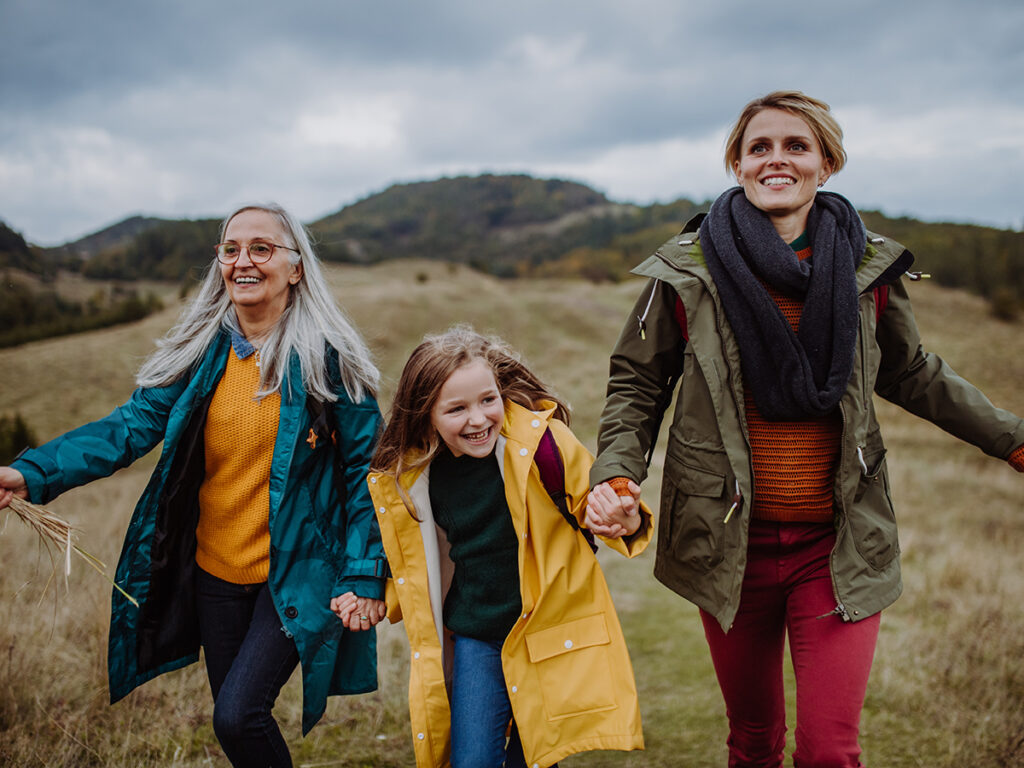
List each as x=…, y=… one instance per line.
x=12, y=484
x=358, y=613
x=611, y=515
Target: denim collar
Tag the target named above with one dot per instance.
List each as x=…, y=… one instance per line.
x=242, y=346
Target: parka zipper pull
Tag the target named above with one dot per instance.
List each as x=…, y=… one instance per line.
x=736, y=499
x=917, y=275
x=839, y=610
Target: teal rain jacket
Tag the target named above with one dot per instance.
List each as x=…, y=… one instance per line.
x=324, y=540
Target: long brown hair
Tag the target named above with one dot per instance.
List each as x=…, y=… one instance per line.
x=410, y=440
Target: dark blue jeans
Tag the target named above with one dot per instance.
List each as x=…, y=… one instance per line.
x=481, y=710
x=248, y=659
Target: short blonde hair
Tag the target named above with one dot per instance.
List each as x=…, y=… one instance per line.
x=812, y=111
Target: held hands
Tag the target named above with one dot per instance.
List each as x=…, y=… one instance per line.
x=611, y=515
x=358, y=613
x=12, y=484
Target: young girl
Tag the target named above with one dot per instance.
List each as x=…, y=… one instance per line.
x=511, y=626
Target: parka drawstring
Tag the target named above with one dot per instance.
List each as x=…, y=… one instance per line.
x=736, y=499
x=642, y=319
x=860, y=458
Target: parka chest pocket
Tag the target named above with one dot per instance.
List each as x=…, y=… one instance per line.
x=573, y=666
x=696, y=421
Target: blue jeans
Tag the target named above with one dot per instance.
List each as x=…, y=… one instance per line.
x=481, y=710
x=248, y=659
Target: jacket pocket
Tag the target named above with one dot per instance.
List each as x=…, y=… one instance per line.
x=872, y=517
x=693, y=509
x=572, y=661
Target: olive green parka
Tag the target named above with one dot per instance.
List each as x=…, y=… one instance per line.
x=708, y=482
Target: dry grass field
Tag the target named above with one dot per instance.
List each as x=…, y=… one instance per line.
x=947, y=687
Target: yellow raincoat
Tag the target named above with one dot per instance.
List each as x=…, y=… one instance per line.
x=566, y=666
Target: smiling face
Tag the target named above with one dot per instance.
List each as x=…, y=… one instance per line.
x=259, y=292
x=780, y=167
x=469, y=410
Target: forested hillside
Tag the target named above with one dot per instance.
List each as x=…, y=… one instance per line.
x=507, y=226
x=36, y=304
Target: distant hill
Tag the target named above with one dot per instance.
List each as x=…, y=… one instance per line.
x=165, y=250
x=509, y=226
x=504, y=225
x=115, y=236
x=15, y=253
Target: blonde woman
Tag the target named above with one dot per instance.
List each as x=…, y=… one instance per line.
x=781, y=317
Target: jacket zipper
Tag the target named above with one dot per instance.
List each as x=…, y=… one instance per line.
x=840, y=609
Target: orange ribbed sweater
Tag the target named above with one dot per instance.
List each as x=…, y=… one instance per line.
x=794, y=461
x=234, y=500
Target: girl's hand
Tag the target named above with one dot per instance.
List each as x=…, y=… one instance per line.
x=12, y=483
x=611, y=515
x=358, y=613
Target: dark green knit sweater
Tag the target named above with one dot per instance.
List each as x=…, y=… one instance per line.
x=467, y=496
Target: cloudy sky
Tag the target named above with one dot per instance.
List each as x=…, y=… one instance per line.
x=188, y=108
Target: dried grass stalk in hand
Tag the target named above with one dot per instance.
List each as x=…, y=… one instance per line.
x=55, y=531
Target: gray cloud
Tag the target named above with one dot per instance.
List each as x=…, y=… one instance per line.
x=188, y=108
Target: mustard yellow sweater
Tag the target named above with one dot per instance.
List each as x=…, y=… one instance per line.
x=234, y=500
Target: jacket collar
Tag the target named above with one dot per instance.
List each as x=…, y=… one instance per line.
x=518, y=424
x=242, y=346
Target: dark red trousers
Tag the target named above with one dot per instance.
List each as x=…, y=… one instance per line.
x=787, y=590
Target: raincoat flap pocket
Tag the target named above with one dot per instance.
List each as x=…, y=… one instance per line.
x=570, y=636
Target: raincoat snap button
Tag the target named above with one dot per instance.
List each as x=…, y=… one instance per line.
x=401, y=580
x=515, y=688
x=416, y=655
x=420, y=736
x=568, y=643
x=373, y=480
x=523, y=451
x=535, y=423
x=382, y=509
x=291, y=612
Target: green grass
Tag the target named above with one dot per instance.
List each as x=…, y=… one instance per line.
x=947, y=687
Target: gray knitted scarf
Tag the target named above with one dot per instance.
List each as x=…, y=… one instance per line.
x=791, y=375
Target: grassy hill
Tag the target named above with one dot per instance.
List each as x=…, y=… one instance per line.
x=947, y=687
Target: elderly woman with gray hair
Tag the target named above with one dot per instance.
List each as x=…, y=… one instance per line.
x=256, y=527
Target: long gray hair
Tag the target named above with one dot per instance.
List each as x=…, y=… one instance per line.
x=309, y=326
